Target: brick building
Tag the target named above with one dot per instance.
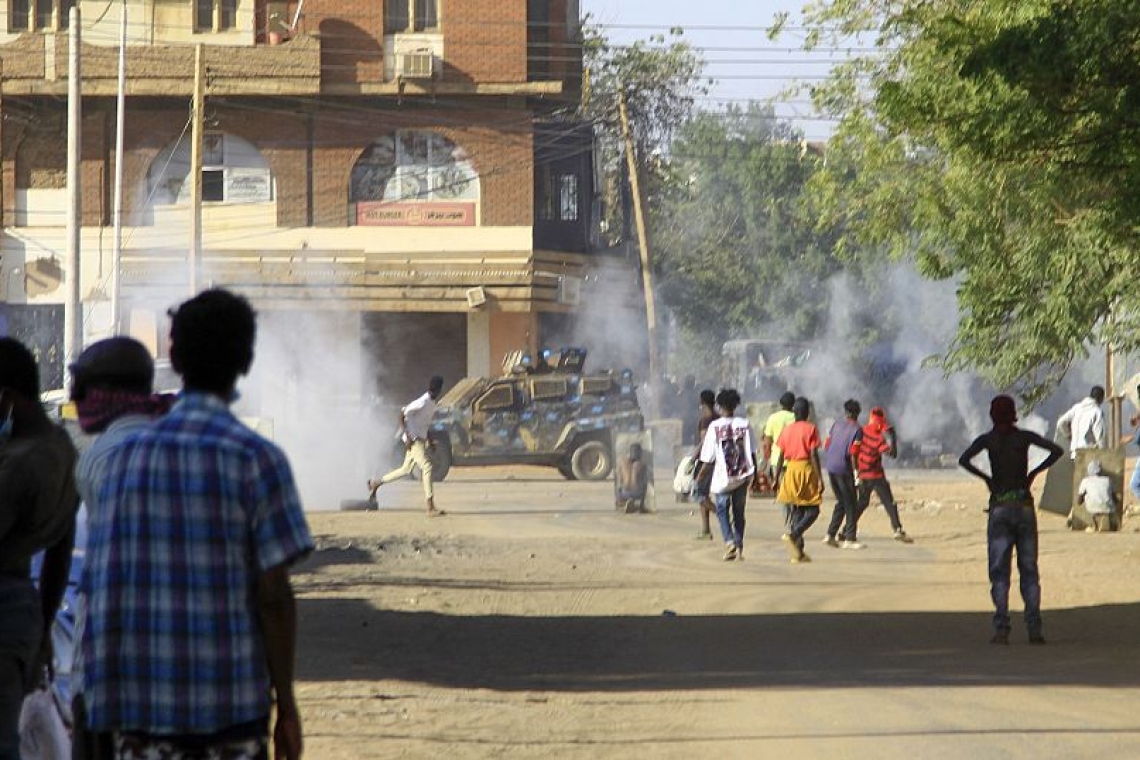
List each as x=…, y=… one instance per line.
x=387, y=172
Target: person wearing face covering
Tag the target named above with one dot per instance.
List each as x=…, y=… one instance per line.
x=1012, y=516
x=111, y=386
x=37, y=512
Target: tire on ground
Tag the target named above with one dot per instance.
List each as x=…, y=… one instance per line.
x=591, y=460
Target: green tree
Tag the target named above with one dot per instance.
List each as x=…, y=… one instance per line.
x=737, y=256
x=662, y=81
x=996, y=143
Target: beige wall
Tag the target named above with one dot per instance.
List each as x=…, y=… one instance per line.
x=148, y=22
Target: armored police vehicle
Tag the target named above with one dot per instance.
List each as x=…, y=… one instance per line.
x=550, y=412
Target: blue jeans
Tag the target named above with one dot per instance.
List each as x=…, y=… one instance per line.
x=732, y=531
x=1134, y=484
x=802, y=518
x=1014, y=526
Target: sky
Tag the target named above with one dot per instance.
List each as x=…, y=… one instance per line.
x=744, y=62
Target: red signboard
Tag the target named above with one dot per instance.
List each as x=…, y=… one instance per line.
x=383, y=214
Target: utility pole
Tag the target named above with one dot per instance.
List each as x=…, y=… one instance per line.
x=642, y=239
x=120, y=120
x=72, y=310
x=196, y=138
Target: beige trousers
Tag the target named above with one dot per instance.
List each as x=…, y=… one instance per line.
x=416, y=456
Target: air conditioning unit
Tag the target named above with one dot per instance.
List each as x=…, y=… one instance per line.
x=417, y=65
x=476, y=297
x=569, y=291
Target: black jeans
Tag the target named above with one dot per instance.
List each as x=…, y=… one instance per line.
x=1014, y=526
x=20, y=624
x=846, y=512
x=882, y=489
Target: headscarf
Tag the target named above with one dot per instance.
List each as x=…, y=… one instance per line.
x=878, y=419
x=1094, y=468
x=99, y=407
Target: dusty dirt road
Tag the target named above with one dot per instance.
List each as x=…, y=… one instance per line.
x=534, y=621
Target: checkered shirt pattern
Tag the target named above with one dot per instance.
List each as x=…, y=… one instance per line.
x=192, y=510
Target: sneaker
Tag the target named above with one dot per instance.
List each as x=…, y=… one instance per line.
x=704, y=536
x=794, y=551
x=1036, y=639
x=900, y=535
x=803, y=558
x=852, y=545
x=830, y=540
x=740, y=554
x=1001, y=637
x=730, y=553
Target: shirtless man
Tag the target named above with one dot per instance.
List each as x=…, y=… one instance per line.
x=1012, y=517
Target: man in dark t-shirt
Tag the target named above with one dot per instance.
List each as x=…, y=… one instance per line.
x=1012, y=517
x=37, y=512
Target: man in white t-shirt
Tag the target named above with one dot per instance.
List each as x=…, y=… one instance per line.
x=1098, y=497
x=1083, y=424
x=415, y=432
x=730, y=450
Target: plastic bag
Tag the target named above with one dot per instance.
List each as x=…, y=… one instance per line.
x=683, y=480
x=43, y=732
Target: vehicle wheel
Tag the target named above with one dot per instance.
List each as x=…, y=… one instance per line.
x=566, y=472
x=440, y=463
x=591, y=461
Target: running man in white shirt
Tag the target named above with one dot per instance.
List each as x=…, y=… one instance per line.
x=415, y=432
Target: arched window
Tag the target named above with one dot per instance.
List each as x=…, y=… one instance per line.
x=414, y=178
x=233, y=171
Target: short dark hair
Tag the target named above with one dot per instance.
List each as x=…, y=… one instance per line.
x=852, y=408
x=787, y=400
x=728, y=399
x=801, y=409
x=211, y=338
x=708, y=398
x=18, y=369
x=1097, y=394
x=435, y=385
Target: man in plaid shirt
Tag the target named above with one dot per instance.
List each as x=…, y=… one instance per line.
x=191, y=620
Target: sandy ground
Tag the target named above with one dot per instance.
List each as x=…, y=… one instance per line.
x=535, y=621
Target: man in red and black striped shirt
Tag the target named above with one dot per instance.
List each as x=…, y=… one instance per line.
x=878, y=439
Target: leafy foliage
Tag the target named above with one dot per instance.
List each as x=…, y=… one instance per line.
x=997, y=143
x=737, y=255
x=662, y=80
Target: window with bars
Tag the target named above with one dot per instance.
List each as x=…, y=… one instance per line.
x=402, y=16
x=215, y=15
x=38, y=15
